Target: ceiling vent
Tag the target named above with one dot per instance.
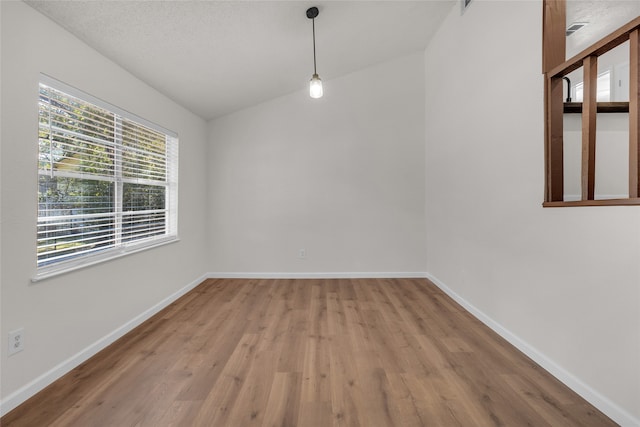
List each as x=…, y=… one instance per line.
x=575, y=27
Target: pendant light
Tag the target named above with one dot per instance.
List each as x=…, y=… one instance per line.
x=315, y=85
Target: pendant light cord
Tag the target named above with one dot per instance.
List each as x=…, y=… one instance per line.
x=313, y=22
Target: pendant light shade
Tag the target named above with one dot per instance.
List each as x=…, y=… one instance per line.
x=315, y=85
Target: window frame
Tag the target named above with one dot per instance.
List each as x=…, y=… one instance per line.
x=169, y=181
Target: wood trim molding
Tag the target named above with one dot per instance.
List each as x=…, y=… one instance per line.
x=634, y=114
x=555, y=140
x=554, y=24
x=553, y=53
x=589, y=105
x=602, y=107
x=603, y=202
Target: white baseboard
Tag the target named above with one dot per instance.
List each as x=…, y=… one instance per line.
x=21, y=395
x=605, y=405
x=610, y=409
x=343, y=275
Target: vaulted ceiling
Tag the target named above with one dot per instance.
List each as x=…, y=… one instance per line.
x=216, y=57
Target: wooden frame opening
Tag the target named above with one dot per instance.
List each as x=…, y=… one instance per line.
x=554, y=68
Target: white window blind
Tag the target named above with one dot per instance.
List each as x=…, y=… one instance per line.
x=107, y=180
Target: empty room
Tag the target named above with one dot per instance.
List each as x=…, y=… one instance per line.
x=320, y=213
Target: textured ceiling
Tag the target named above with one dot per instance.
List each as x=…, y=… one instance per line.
x=216, y=57
x=602, y=17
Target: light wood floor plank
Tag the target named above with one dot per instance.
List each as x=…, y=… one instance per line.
x=340, y=352
x=284, y=400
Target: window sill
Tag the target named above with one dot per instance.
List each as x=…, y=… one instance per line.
x=48, y=272
x=607, y=202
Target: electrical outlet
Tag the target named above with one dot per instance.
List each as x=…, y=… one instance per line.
x=302, y=253
x=16, y=341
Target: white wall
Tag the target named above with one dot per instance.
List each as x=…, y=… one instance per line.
x=612, y=156
x=342, y=177
x=566, y=282
x=65, y=315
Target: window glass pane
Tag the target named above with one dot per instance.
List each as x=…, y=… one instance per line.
x=74, y=136
x=75, y=216
x=144, y=211
x=139, y=197
x=144, y=152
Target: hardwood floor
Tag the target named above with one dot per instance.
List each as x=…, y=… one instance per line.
x=369, y=352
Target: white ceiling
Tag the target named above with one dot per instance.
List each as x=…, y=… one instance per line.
x=216, y=57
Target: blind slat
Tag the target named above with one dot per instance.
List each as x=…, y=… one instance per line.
x=106, y=180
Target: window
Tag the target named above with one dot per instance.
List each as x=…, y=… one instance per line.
x=107, y=181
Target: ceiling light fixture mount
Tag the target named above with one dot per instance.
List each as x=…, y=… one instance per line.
x=315, y=85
